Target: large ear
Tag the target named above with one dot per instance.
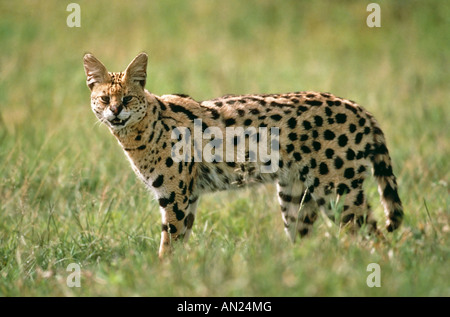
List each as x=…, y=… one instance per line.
x=95, y=71
x=137, y=70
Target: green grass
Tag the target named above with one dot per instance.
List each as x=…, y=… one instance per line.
x=68, y=195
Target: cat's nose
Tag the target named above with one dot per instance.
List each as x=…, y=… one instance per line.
x=116, y=109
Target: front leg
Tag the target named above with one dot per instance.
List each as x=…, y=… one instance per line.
x=178, y=214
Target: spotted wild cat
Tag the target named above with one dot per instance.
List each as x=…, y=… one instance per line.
x=325, y=147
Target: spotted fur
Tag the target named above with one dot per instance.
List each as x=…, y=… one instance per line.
x=327, y=145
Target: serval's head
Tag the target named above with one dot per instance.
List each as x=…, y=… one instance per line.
x=117, y=99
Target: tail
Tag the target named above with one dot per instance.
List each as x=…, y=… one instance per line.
x=387, y=184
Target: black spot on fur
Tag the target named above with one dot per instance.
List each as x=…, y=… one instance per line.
x=163, y=201
x=301, y=109
x=318, y=121
x=158, y=181
x=347, y=218
x=349, y=173
x=191, y=165
x=172, y=228
x=305, y=149
x=341, y=118
x=303, y=232
x=314, y=102
x=179, y=214
x=229, y=122
x=355, y=183
x=292, y=136
x=169, y=162
x=178, y=108
x=342, y=189
x=316, y=145
x=161, y=104
x=329, y=153
x=367, y=150
x=316, y=182
x=338, y=162
x=350, y=154
x=329, y=135
x=214, y=113
x=358, y=138
x=289, y=148
x=342, y=140
x=351, y=108
x=285, y=197
x=292, y=123
x=276, y=117
x=306, y=198
x=189, y=221
x=359, y=199
x=305, y=170
x=307, y=125
x=323, y=169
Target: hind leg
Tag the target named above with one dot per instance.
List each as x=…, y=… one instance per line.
x=357, y=213
x=290, y=197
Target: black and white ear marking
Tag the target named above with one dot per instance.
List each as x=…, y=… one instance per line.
x=95, y=71
x=137, y=69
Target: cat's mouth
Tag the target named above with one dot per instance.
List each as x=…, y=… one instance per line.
x=116, y=122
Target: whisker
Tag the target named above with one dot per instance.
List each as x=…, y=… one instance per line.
x=100, y=121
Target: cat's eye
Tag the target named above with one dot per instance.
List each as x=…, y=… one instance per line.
x=127, y=99
x=105, y=99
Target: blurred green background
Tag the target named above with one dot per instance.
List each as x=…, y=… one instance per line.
x=68, y=195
